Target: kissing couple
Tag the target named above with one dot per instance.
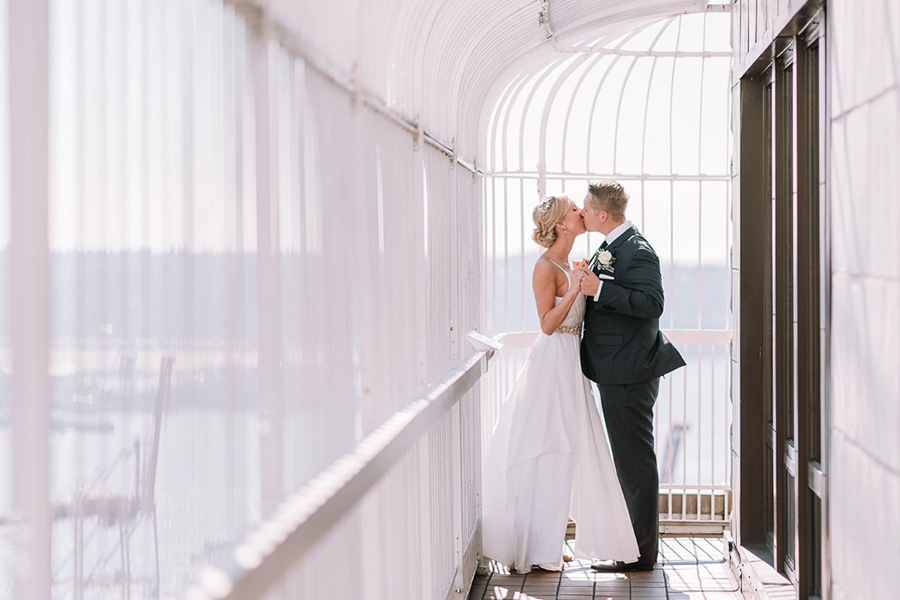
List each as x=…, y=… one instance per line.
x=549, y=459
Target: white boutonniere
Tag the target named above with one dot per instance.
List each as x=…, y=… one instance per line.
x=604, y=259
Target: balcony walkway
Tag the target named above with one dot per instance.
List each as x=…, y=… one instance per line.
x=688, y=568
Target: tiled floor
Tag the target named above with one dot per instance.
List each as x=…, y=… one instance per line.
x=688, y=568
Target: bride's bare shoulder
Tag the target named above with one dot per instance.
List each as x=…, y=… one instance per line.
x=544, y=268
x=545, y=275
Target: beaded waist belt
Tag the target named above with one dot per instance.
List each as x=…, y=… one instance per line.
x=572, y=329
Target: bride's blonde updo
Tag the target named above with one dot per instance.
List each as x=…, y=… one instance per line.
x=545, y=216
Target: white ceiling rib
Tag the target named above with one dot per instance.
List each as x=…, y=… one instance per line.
x=441, y=62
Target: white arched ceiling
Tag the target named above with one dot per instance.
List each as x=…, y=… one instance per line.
x=438, y=63
x=635, y=106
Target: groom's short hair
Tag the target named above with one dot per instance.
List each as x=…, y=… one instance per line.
x=610, y=196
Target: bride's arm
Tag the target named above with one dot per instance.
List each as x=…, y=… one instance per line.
x=543, y=281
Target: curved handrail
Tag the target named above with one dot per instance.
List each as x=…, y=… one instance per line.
x=276, y=544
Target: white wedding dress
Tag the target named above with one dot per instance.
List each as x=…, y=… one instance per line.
x=549, y=460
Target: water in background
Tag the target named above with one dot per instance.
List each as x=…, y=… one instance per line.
x=207, y=496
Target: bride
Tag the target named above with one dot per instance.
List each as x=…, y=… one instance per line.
x=549, y=459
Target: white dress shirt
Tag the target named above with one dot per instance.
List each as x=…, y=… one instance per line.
x=610, y=238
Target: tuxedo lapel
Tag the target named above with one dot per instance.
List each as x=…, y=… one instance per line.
x=626, y=235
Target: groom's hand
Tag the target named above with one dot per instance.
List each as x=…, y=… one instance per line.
x=590, y=283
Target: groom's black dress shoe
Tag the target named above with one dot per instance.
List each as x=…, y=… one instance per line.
x=616, y=566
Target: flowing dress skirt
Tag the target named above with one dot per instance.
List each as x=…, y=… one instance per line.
x=548, y=461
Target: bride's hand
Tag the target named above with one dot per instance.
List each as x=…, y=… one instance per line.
x=577, y=275
x=579, y=264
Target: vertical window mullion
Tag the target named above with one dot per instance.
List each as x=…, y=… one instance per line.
x=808, y=350
x=782, y=284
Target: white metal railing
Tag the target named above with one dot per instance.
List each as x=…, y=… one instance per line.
x=693, y=424
x=692, y=420
x=29, y=67
x=260, y=567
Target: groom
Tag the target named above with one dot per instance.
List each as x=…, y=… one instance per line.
x=624, y=352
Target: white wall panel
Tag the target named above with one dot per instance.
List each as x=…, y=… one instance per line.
x=865, y=288
x=861, y=541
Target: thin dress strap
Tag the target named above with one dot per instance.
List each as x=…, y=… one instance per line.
x=571, y=329
x=566, y=273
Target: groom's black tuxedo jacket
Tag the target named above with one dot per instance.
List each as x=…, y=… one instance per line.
x=622, y=343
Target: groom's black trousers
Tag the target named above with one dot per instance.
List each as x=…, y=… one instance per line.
x=628, y=410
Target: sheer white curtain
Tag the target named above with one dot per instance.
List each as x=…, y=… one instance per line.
x=220, y=195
